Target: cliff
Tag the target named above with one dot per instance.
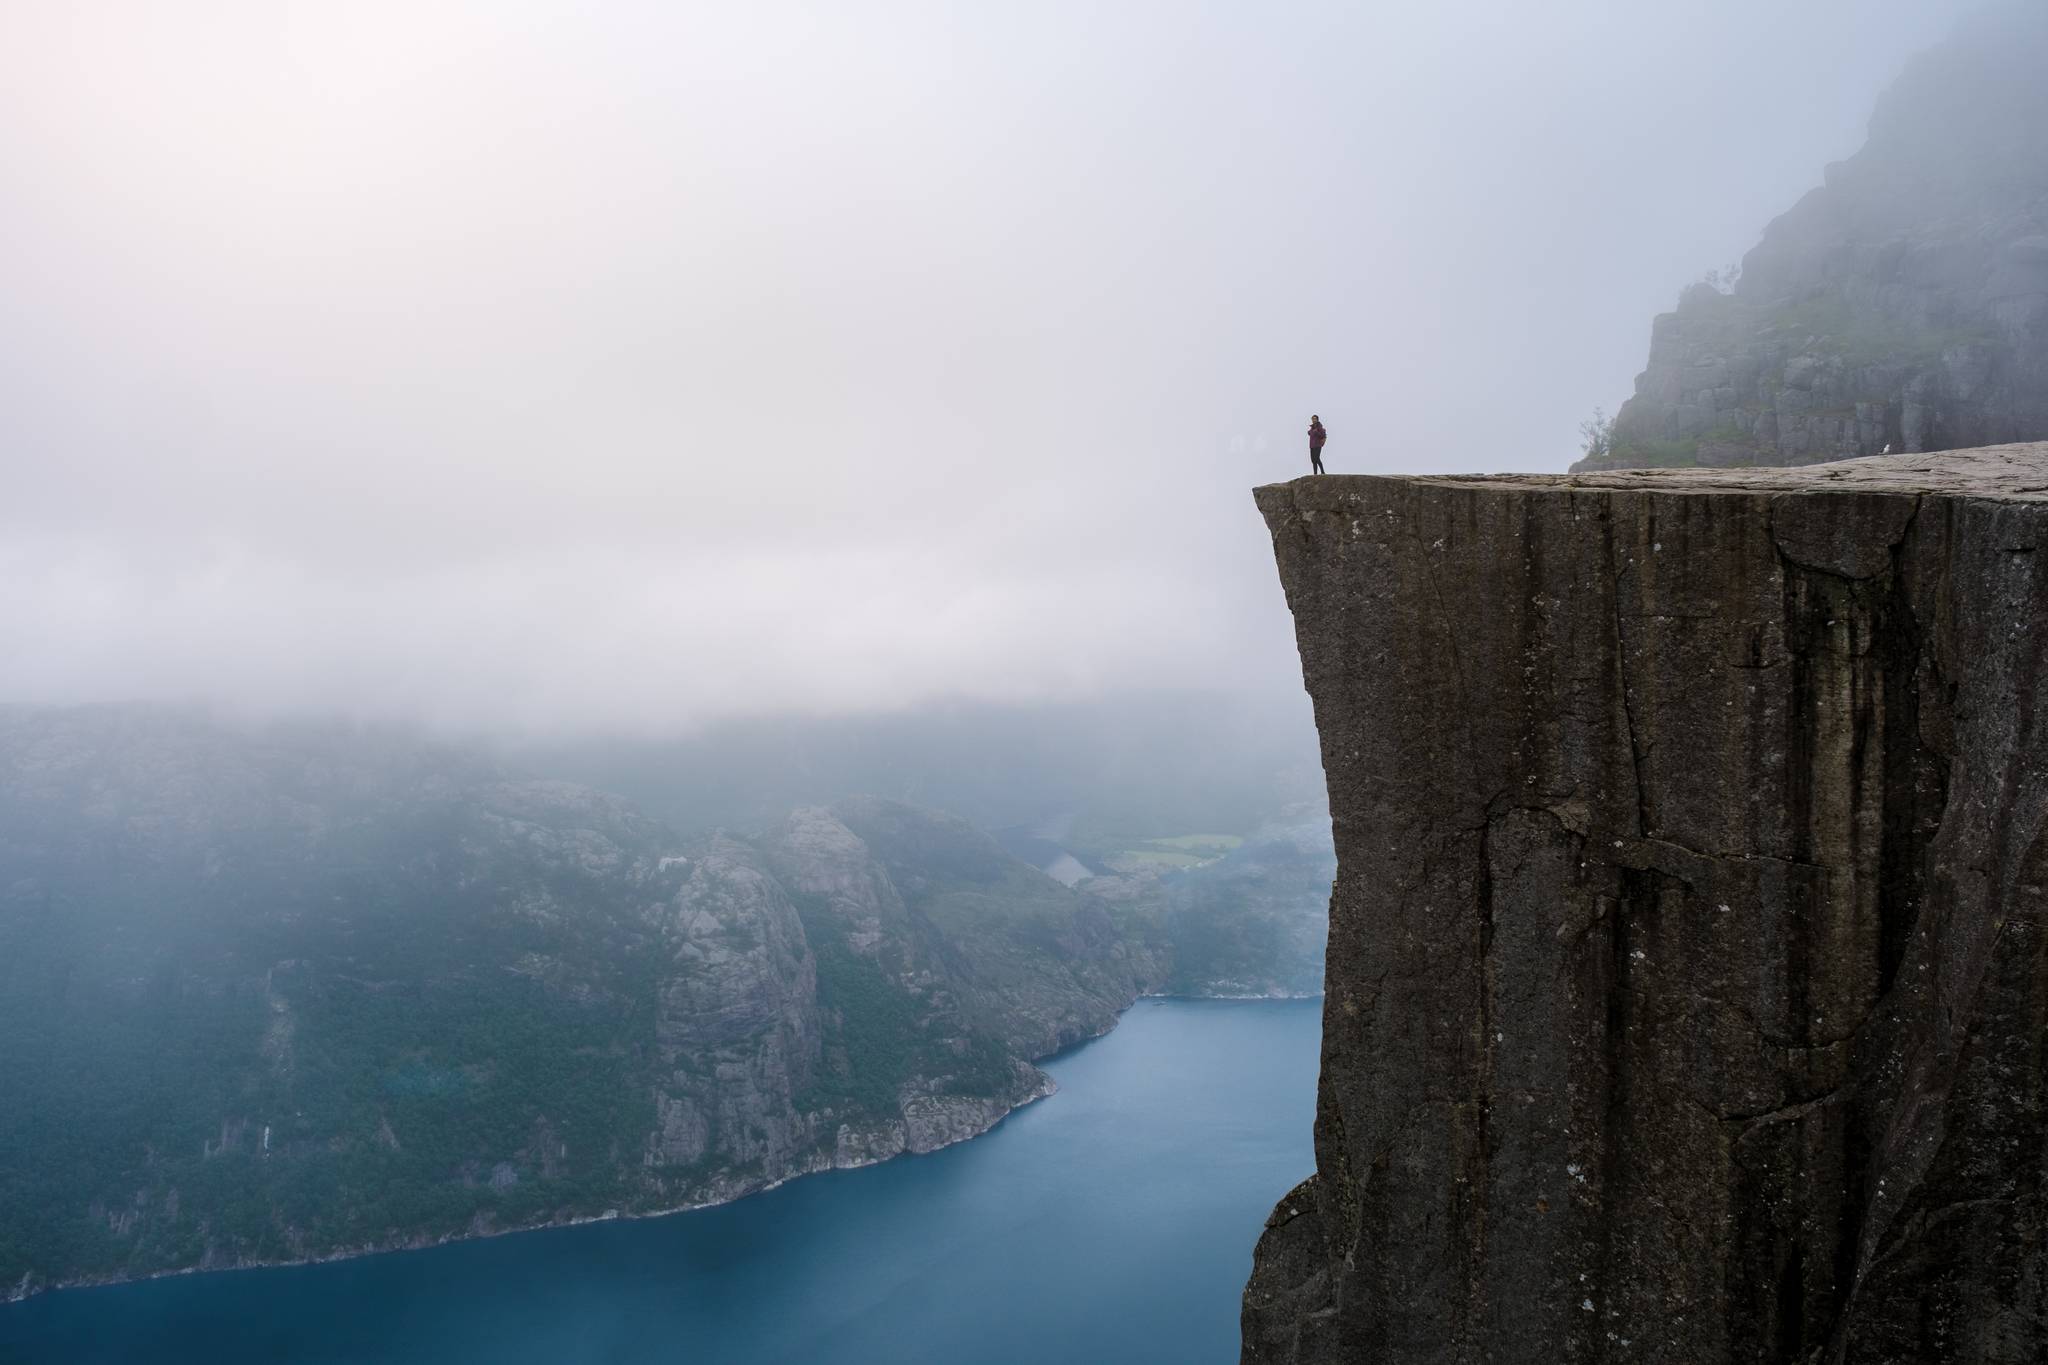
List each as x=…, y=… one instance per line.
x=1902, y=304
x=1686, y=993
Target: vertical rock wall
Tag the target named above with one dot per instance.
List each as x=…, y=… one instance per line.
x=1686, y=990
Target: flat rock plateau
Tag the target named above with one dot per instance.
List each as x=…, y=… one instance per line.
x=1686, y=990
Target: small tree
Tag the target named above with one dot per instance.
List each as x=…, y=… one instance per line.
x=1596, y=434
x=1723, y=281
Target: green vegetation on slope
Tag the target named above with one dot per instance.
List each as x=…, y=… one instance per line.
x=277, y=994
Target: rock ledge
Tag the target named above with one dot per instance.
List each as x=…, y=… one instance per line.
x=1687, y=982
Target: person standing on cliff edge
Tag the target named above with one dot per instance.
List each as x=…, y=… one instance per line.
x=1316, y=437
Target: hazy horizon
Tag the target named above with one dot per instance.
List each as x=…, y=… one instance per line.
x=519, y=367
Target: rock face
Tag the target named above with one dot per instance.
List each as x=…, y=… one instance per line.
x=1687, y=995
x=1903, y=304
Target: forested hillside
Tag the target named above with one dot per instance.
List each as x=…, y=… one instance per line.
x=288, y=991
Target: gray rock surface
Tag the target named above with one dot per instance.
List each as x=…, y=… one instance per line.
x=1902, y=304
x=1686, y=993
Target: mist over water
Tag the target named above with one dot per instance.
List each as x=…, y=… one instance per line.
x=533, y=367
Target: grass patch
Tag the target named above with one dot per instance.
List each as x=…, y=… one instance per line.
x=1153, y=860
x=1171, y=853
x=1211, y=844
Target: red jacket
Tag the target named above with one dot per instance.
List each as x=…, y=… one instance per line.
x=1316, y=436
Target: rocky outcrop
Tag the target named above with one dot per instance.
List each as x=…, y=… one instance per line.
x=736, y=1024
x=1687, y=991
x=1901, y=305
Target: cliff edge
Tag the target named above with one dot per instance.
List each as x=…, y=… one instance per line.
x=1686, y=988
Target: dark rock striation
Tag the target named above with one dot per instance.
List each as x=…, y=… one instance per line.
x=1688, y=985
x=1902, y=305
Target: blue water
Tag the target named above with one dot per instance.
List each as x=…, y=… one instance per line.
x=1112, y=1222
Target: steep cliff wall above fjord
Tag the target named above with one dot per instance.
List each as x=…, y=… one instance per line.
x=1687, y=980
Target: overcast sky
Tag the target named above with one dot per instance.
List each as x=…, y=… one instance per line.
x=521, y=364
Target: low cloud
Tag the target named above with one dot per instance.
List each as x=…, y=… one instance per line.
x=532, y=365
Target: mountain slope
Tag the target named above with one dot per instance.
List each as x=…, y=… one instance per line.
x=286, y=992
x=1903, y=304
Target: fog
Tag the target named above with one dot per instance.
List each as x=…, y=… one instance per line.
x=531, y=367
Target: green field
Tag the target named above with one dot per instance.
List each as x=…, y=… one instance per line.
x=1171, y=854
x=1209, y=845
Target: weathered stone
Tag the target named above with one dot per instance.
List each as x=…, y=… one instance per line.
x=1687, y=983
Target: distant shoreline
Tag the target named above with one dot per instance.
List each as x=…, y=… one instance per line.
x=22, y=1292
